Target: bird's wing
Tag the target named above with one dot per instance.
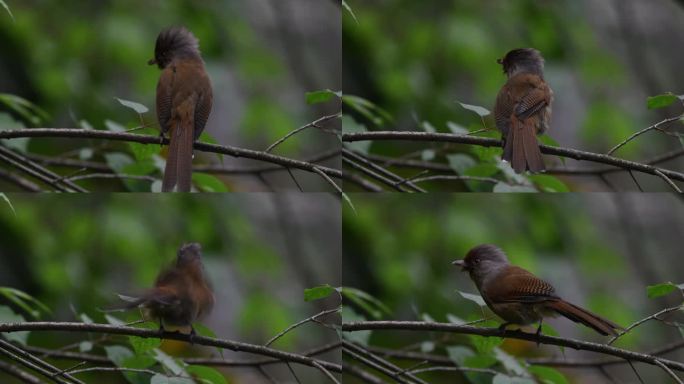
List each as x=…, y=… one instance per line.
x=519, y=285
x=204, y=102
x=164, y=99
x=534, y=95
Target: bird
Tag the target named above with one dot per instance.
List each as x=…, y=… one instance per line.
x=523, y=109
x=518, y=296
x=181, y=294
x=183, y=104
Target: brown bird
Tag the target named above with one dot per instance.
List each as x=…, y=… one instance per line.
x=181, y=294
x=523, y=109
x=518, y=296
x=184, y=99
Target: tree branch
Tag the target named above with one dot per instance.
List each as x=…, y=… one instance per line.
x=489, y=142
x=495, y=332
x=148, y=333
x=149, y=139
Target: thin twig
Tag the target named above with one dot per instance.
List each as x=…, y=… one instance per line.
x=668, y=181
x=645, y=319
x=309, y=125
x=297, y=324
x=641, y=132
x=669, y=372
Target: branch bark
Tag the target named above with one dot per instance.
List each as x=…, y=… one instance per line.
x=495, y=332
x=147, y=333
x=149, y=139
x=488, y=142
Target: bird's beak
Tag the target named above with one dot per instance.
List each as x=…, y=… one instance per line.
x=499, y=61
x=151, y=62
x=459, y=263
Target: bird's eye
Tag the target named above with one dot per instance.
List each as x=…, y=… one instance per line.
x=476, y=261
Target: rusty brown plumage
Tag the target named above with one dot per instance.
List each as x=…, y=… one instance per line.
x=184, y=101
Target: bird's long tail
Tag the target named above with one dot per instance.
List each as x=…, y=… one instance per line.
x=581, y=315
x=521, y=148
x=178, y=171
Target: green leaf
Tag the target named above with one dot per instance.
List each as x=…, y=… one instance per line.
x=2, y=2
x=507, y=188
x=481, y=111
x=7, y=200
x=208, y=183
x=459, y=354
x=321, y=96
x=85, y=346
x=428, y=127
x=348, y=8
x=661, y=101
x=548, y=183
x=510, y=363
x=427, y=154
x=319, y=292
x=139, y=108
x=209, y=139
x=206, y=374
x=548, y=140
x=548, y=375
x=113, y=320
x=28, y=303
x=169, y=362
x=485, y=345
x=142, y=345
x=8, y=316
x=454, y=319
x=480, y=361
x=161, y=379
x=143, y=151
x=117, y=354
x=350, y=125
x=427, y=346
x=137, y=362
x=117, y=161
x=457, y=129
x=8, y=123
x=477, y=299
x=350, y=316
x=205, y=331
x=367, y=109
x=505, y=379
x=373, y=306
x=461, y=162
x=26, y=109
x=658, y=290
x=113, y=126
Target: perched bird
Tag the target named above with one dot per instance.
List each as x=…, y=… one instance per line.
x=523, y=109
x=518, y=296
x=184, y=99
x=181, y=293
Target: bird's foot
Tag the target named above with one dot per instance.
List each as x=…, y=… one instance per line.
x=538, y=334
